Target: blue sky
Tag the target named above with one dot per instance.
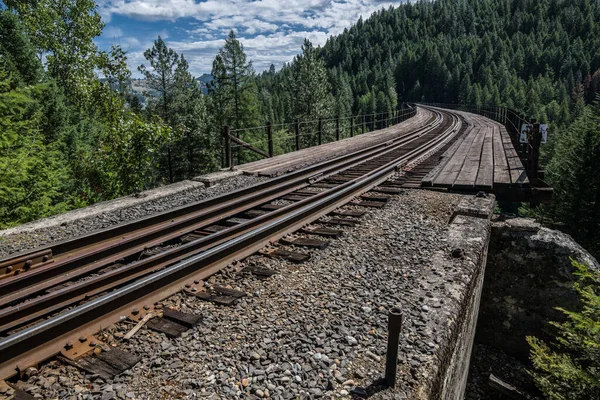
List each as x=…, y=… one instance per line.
x=271, y=31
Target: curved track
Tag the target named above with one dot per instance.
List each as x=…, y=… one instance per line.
x=52, y=295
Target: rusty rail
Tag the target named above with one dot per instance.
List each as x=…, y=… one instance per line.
x=146, y=282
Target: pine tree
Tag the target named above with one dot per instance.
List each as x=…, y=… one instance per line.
x=570, y=367
x=161, y=77
x=234, y=85
x=573, y=174
x=310, y=85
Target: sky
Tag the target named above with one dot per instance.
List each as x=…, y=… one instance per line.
x=271, y=31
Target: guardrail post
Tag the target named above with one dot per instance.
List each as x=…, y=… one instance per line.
x=391, y=361
x=363, y=124
x=351, y=126
x=228, y=154
x=337, y=128
x=297, y=129
x=320, y=130
x=374, y=117
x=270, y=138
x=536, y=140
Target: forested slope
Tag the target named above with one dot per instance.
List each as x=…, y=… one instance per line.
x=536, y=56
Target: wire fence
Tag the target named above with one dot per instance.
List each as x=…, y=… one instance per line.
x=269, y=140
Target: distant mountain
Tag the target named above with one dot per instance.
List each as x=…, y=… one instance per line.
x=205, y=78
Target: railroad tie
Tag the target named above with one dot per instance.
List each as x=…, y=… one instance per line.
x=287, y=255
x=173, y=323
x=368, y=204
x=325, y=232
x=106, y=364
x=305, y=242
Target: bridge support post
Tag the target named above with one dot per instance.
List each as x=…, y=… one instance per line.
x=363, y=124
x=391, y=361
x=320, y=130
x=536, y=140
x=270, y=138
x=297, y=132
x=227, y=141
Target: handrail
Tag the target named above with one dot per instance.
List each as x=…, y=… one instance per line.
x=321, y=130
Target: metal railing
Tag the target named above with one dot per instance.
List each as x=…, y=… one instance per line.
x=269, y=140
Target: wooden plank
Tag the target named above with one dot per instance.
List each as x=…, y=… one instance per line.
x=518, y=176
x=169, y=328
x=429, y=179
x=485, y=175
x=325, y=232
x=138, y=326
x=288, y=255
x=449, y=173
x=188, y=320
x=468, y=173
x=305, y=242
x=106, y=364
x=501, y=170
x=368, y=204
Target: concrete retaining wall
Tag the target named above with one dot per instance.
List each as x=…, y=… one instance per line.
x=529, y=274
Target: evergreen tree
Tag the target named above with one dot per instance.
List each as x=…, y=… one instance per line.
x=570, y=367
x=64, y=31
x=234, y=85
x=573, y=174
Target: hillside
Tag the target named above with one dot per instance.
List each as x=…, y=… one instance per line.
x=537, y=56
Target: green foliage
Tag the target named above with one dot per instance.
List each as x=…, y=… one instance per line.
x=570, y=367
x=31, y=173
x=128, y=154
x=526, y=54
x=573, y=172
x=234, y=87
x=17, y=53
x=64, y=31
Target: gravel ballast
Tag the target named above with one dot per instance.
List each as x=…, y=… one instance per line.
x=313, y=330
x=110, y=213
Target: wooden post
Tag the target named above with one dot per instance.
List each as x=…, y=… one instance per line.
x=320, y=130
x=270, y=138
x=297, y=129
x=170, y=162
x=228, y=154
x=337, y=128
x=351, y=126
x=374, y=117
x=363, y=124
x=536, y=140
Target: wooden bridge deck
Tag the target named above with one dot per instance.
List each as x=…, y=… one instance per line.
x=482, y=159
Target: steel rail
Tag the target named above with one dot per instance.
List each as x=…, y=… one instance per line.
x=43, y=340
x=36, y=280
x=18, y=315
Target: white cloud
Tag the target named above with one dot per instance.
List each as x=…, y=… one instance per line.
x=271, y=31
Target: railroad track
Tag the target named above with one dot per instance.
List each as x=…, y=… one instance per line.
x=51, y=296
